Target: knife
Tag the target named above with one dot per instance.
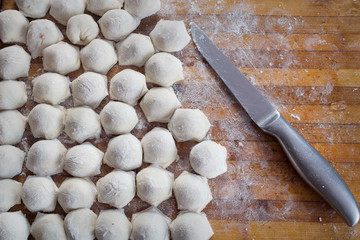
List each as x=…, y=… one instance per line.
x=306, y=160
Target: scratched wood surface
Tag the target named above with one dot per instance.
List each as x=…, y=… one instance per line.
x=304, y=55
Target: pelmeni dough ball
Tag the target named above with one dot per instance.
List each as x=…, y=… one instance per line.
x=89, y=89
x=189, y=125
x=63, y=10
x=12, y=94
x=159, y=147
x=112, y=224
x=46, y=157
x=116, y=188
x=11, y=161
x=142, y=8
x=82, y=123
x=134, y=50
x=14, y=62
x=51, y=88
x=191, y=226
x=12, y=127
x=13, y=26
x=10, y=194
x=83, y=160
x=14, y=226
x=80, y=224
x=124, y=152
x=117, y=24
x=48, y=226
x=34, y=8
x=99, y=7
x=75, y=193
x=41, y=34
x=128, y=86
x=81, y=29
x=154, y=185
x=170, y=36
x=98, y=56
x=163, y=69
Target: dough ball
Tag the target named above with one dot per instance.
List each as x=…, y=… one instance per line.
x=34, y=8
x=117, y=24
x=41, y=34
x=51, y=88
x=154, y=185
x=116, y=188
x=63, y=10
x=124, y=152
x=189, y=125
x=191, y=226
x=75, y=193
x=112, y=224
x=13, y=26
x=89, y=89
x=12, y=94
x=10, y=191
x=99, y=7
x=48, y=226
x=128, y=86
x=12, y=127
x=118, y=118
x=163, y=69
x=39, y=194
x=142, y=8
x=134, y=50
x=81, y=29
x=98, y=56
x=82, y=123
x=159, y=147
x=46, y=157
x=11, y=161
x=83, y=160
x=46, y=121
x=62, y=58
x=170, y=36
x=14, y=62
x=80, y=224
x=14, y=226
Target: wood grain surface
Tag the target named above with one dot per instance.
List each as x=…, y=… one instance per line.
x=304, y=55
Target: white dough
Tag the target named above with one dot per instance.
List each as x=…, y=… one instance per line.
x=134, y=50
x=34, y=8
x=89, y=89
x=12, y=94
x=10, y=194
x=63, y=10
x=46, y=157
x=163, y=69
x=117, y=24
x=12, y=127
x=80, y=224
x=128, y=86
x=170, y=36
x=142, y=8
x=13, y=26
x=81, y=29
x=14, y=62
x=154, y=185
x=159, y=147
x=112, y=224
x=14, y=226
x=189, y=125
x=48, y=226
x=99, y=7
x=11, y=161
x=116, y=188
x=124, y=152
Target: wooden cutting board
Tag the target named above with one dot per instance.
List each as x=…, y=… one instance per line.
x=304, y=55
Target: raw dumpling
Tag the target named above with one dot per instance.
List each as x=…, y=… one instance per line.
x=142, y=8
x=10, y=194
x=75, y=193
x=51, y=88
x=116, y=188
x=189, y=125
x=118, y=118
x=48, y=226
x=46, y=157
x=13, y=26
x=12, y=94
x=98, y=56
x=82, y=123
x=170, y=36
x=63, y=10
x=34, y=8
x=134, y=50
x=99, y=7
x=12, y=127
x=159, y=147
x=11, y=161
x=128, y=86
x=39, y=194
x=89, y=89
x=83, y=160
x=163, y=69
x=81, y=29
x=154, y=185
x=41, y=34
x=14, y=226
x=124, y=152
x=112, y=224
x=80, y=224
x=62, y=58
x=117, y=24
x=14, y=62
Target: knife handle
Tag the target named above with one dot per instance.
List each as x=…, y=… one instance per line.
x=315, y=170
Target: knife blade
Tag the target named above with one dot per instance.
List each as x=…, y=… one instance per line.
x=306, y=160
